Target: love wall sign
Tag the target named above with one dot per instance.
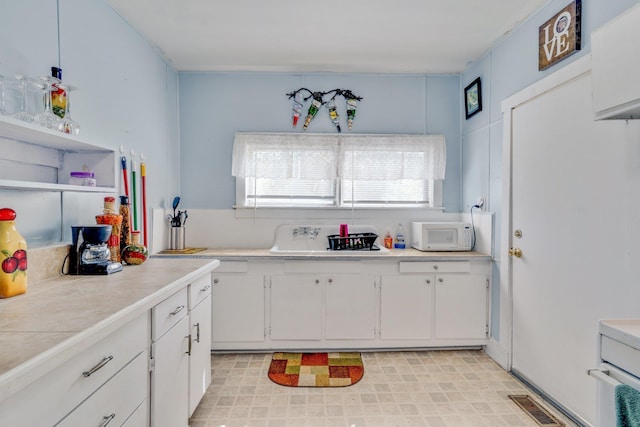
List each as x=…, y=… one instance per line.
x=560, y=36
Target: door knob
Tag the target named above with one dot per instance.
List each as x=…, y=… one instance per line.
x=516, y=252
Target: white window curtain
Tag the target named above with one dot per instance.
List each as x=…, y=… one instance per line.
x=285, y=156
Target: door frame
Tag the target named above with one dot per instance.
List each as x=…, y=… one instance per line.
x=575, y=70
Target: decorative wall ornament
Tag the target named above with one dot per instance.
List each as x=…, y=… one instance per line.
x=473, y=98
x=318, y=101
x=560, y=36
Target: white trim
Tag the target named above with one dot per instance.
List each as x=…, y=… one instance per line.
x=498, y=353
x=561, y=77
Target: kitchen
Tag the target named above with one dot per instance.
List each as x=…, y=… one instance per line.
x=128, y=95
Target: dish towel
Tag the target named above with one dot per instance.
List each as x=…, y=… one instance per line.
x=627, y=406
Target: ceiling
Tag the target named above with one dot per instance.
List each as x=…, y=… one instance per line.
x=360, y=36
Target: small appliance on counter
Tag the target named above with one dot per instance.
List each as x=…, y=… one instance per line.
x=442, y=236
x=89, y=253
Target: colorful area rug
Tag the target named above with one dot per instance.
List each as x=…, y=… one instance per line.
x=316, y=369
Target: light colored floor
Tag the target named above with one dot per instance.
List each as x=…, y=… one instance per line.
x=426, y=388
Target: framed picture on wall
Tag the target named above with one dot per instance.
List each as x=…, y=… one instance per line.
x=473, y=98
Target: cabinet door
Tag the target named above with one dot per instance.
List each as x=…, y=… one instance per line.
x=200, y=360
x=296, y=307
x=350, y=307
x=170, y=378
x=238, y=308
x=461, y=306
x=406, y=307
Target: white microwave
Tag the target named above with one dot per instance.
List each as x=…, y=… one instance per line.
x=441, y=236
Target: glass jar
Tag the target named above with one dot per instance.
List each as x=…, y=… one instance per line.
x=13, y=276
x=136, y=253
x=109, y=217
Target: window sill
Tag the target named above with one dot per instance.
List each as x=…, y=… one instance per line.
x=268, y=212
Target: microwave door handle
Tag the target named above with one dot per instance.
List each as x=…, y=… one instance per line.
x=603, y=375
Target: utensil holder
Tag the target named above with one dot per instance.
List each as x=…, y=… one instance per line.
x=177, y=238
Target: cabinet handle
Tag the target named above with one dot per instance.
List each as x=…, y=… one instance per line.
x=435, y=267
x=99, y=366
x=106, y=420
x=330, y=280
x=215, y=280
x=317, y=281
x=428, y=281
x=206, y=288
x=177, y=310
x=189, y=348
x=197, y=325
x=440, y=280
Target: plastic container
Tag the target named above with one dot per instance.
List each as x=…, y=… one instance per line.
x=388, y=241
x=13, y=253
x=85, y=179
x=399, y=244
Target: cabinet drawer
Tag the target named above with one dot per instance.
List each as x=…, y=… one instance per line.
x=115, y=401
x=168, y=313
x=64, y=388
x=199, y=290
x=435, y=267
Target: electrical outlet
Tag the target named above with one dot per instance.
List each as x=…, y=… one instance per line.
x=480, y=202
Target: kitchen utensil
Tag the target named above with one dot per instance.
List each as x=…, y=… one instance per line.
x=186, y=215
x=134, y=201
x=176, y=202
x=143, y=178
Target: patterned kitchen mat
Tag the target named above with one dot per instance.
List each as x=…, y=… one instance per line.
x=316, y=369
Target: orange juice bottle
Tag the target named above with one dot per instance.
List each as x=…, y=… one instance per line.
x=13, y=276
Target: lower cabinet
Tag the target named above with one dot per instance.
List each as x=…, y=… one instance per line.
x=461, y=306
x=237, y=309
x=296, y=307
x=350, y=307
x=406, y=307
x=200, y=358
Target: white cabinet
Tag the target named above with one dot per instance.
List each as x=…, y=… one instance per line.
x=406, y=307
x=296, y=307
x=105, y=366
x=200, y=354
x=238, y=309
x=461, y=306
x=330, y=307
x=170, y=358
x=350, y=307
x=615, y=59
x=35, y=158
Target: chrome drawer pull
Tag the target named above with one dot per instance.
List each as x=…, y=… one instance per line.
x=197, y=325
x=178, y=310
x=99, y=366
x=206, y=288
x=106, y=420
x=188, y=352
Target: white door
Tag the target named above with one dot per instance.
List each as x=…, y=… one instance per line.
x=565, y=186
x=350, y=309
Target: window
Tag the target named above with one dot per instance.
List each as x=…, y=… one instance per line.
x=302, y=170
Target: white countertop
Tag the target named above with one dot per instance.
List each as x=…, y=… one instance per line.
x=626, y=331
x=58, y=318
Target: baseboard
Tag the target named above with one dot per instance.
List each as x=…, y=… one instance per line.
x=498, y=353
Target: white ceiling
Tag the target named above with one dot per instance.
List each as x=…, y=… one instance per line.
x=368, y=36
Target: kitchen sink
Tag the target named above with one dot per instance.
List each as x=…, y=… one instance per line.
x=311, y=240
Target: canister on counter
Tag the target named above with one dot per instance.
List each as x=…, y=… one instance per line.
x=109, y=217
x=13, y=276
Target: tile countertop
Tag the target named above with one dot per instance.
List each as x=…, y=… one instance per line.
x=59, y=318
x=396, y=254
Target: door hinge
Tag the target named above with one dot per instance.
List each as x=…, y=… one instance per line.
x=152, y=364
x=486, y=331
x=267, y=331
x=487, y=283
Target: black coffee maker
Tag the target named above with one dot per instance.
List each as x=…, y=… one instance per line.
x=89, y=253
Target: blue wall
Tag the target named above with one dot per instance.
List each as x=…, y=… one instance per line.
x=127, y=95
x=213, y=106
x=510, y=66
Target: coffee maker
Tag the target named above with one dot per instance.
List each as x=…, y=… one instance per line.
x=89, y=253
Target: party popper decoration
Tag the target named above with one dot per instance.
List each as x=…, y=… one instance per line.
x=316, y=103
x=333, y=113
x=298, y=99
x=133, y=190
x=143, y=178
x=352, y=105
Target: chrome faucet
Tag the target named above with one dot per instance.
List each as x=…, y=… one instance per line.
x=311, y=232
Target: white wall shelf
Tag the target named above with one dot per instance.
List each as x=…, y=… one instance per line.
x=35, y=158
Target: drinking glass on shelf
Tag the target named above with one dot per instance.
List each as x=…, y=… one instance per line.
x=23, y=112
x=46, y=118
x=67, y=124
